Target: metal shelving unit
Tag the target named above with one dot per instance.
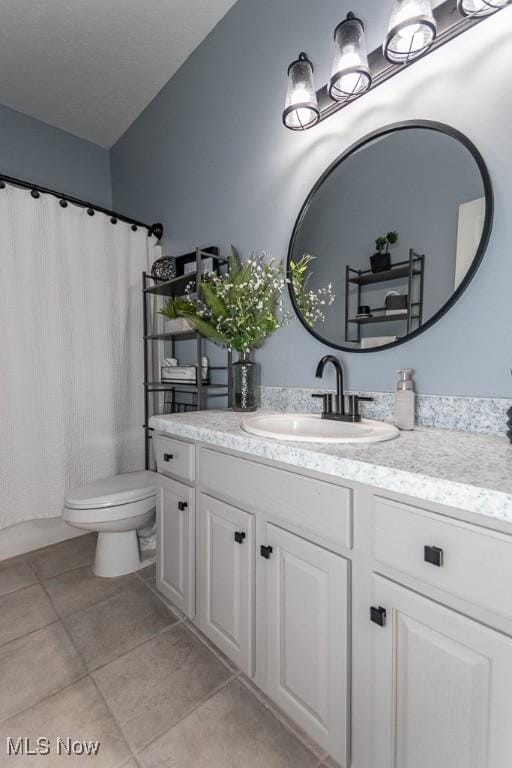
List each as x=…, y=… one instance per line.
x=164, y=397
x=413, y=270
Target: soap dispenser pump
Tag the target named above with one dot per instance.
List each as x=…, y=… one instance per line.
x=405, y=416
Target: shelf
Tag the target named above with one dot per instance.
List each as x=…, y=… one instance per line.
x=381, y=277
x=183, y=336
x=380, y=319
x=162, y=386
x=174, y=287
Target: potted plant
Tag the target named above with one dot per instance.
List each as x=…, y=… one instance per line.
x=239, y=310
x=174, y=321
x=381, y=259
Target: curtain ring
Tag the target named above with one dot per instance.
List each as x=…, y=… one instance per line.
x=35, y=194
x=63, y=203
x=90, y=211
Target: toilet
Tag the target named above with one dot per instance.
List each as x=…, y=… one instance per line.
x=116, y=507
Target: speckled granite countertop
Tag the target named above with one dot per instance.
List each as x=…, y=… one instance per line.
x=468, y=471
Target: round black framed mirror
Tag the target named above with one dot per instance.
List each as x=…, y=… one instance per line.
x=390, y=236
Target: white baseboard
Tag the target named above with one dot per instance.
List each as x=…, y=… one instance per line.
x=33, y=534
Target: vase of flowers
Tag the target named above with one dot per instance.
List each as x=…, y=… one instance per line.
x=239, y=310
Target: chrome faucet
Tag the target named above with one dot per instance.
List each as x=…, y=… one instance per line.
x=339, y=409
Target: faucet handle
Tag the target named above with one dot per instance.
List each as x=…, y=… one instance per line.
x=354, y=401
x=327, y=402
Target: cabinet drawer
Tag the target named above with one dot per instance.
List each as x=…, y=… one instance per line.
x=469, y=562
x=175, y=458
x=311, y=506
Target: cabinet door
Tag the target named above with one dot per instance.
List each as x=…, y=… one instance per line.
x=226, y=579
x=442, y=686
x=307, y=655
x=175, y=572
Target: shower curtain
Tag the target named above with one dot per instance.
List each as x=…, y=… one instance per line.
x=71, y=365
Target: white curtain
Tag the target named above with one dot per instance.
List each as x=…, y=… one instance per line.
x=71, y=365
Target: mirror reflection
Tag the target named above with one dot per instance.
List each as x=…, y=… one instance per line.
x=387, y=238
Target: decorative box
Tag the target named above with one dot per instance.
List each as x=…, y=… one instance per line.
x=396, y=303
x=182, y=374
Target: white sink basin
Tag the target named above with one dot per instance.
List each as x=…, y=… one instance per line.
x=311, y=428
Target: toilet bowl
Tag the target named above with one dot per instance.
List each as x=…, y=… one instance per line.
x=116, y=507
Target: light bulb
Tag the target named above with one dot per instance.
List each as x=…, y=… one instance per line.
x=412, y=29
x=480, y=7
x=350, y=71
x=301, y=106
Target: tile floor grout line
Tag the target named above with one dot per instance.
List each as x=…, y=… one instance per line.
x=45, y=698
x=94, y=605
x=160, y=632
x=209, y=696
x=93, y=681
x=118, y=724
x=211, y=647
x=31, y=632
x=274, y=710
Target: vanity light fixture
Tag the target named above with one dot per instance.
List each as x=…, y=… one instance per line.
x=301, y=108
x=480, y=7
x=414, y=30
x=350, y=71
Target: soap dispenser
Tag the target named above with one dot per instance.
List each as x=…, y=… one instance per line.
x=405, y=400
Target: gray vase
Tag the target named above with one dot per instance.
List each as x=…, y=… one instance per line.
x=244, y=373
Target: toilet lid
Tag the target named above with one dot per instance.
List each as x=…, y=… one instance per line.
x=112, y=491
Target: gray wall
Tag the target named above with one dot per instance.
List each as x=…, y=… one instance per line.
x=210, y=159
x=36, y=152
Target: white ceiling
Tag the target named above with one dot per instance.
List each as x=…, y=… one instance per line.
x=91, y=66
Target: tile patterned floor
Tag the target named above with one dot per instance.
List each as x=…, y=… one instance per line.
x=108, y=660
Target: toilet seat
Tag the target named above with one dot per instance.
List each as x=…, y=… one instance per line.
x=114, y=491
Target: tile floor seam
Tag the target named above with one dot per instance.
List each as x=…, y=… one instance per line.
x=31, y=632
x=44, y=698
x=274, y=710
x=61, y=573
x=211, y=647
x=24, y=586
x=116, y=721
x=153, y=588
x=135, y=647
x=88, y=607
x=85, y=608
x=217, y=690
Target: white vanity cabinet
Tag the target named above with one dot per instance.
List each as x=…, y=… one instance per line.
x=381, y=625
x=176, y=544
x=226, y=579
x=306, y=607
x=442, y=686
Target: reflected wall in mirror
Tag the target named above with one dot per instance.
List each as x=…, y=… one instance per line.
x=390, y=236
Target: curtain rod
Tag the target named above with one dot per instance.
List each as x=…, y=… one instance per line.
x=156, y=229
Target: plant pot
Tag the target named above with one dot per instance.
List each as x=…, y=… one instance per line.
x=244, y=373
x=509, y=424
x=178, y=325
x=380, y=262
